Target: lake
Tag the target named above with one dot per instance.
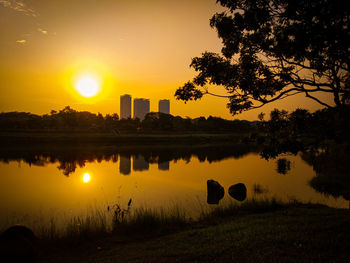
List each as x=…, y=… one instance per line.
x=39, y=186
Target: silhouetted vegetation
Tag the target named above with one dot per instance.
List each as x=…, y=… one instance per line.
x=323, y=140
x=156, y=121
x=254, y=231
x=70, y=120
x=259, y=189
x=276, y=49
x=66, y=119
x=301, y=130
x=283, y=166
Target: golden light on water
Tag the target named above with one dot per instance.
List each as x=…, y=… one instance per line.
x=86, y=177
x=87, y=86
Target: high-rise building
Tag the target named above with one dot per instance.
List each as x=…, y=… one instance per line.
x=164, y=106
x=141, y=108
x=125, y=106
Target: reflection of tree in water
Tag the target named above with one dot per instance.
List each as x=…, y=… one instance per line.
x=332, y=171
x=275, y=148
x=30, y=159
x=69, y=167
x=283, y=166
x=258, y=189
x=69, y=159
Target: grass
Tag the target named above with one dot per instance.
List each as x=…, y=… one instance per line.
x=250, y=206
x=90, y=226
x=151, y=221
x=145, y=221
x=255, y=231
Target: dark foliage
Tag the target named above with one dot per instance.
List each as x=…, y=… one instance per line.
x=283, y=166
x=67, y=120
x=275, y=49
x=302, y=130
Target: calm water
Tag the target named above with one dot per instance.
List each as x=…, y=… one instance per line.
x=38, y=186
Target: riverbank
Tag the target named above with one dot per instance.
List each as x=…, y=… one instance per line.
x=292, y=233
x=27, y=138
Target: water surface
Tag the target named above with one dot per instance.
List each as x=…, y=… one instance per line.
x=58, y=184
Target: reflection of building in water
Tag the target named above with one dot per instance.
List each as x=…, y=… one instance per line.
x=139, y=163
x=164, y=166
x=125, y=165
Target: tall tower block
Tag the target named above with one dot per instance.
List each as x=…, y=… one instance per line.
x=141, y=108
x=164, y=106
x=125, y=106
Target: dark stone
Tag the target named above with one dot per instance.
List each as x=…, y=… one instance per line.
x=238, y=191
x=18, y=231
x=215, y=192
x=17, y=244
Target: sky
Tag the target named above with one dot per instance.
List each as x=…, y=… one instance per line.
x=141, y=48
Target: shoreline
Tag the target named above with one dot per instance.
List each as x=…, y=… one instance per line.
x=269, y=234
x=112, y=139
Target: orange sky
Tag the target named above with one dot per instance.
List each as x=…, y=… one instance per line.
x=142, y=48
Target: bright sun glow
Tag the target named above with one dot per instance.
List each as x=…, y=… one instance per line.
x=87, y=86
x=86, y=177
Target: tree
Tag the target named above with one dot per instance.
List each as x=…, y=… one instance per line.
x=273, y=49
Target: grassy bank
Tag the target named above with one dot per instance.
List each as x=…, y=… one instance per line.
x=128, y=221
x=256, y=231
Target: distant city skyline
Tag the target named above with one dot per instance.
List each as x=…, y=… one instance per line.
x=148, y=56
x=141, y=107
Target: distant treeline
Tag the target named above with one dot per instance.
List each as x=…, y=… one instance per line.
x=68, y=119
x=325, y=124
x=301, y=130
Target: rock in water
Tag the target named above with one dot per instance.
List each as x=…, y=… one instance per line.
x=17, y=245
x=215, y=192
x=238, y=191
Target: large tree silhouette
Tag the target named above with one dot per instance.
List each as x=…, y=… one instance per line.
x=273, y=49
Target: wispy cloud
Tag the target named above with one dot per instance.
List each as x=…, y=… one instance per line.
x=42, y=31
x=21, y=41
x=19, y=6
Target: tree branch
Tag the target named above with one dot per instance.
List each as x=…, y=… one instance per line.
x=317, y=100
x=216, y=95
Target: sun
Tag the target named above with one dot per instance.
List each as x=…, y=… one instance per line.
x=87, y=86
x=86, y=177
